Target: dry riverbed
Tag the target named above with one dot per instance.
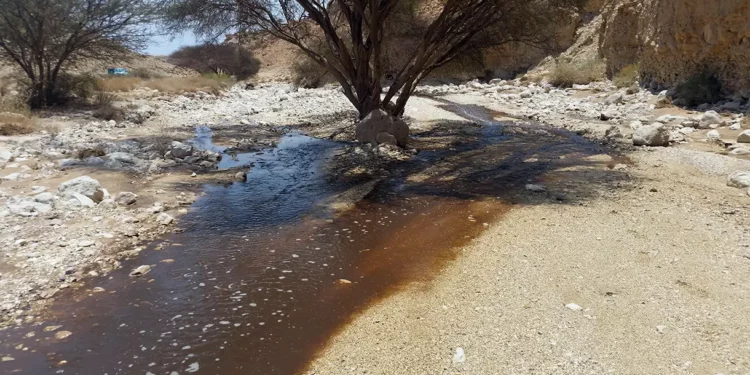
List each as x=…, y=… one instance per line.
x=635, y=251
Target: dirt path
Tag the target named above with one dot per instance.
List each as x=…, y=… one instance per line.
x=657, y=265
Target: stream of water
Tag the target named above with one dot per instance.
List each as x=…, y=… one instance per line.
x=262, y=275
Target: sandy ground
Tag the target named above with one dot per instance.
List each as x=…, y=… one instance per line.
x=657, y=264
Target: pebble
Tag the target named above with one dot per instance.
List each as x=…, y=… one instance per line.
x=140, y=270
x=574, y=307
x=459, y=356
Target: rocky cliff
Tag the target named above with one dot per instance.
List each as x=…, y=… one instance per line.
x=673, y=40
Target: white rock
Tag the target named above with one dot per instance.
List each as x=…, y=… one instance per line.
x=5, y=155
x=84, y=200
x=459, y=356
x=574, y=307
x=84, y=185
x=140, y=270
x=126, y=198
x=709, y=119
x=45, y=198
x=744, y=137
x=739, y=180
x=713, y=135
x=635, y=125
x=164, y=218
x=23, y=206
x=615, y=98
x=180, y=150
x=651, y=135
x=536, y=188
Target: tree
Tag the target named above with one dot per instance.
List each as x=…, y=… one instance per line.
x=354, y=33
x=42, y=37
x=217, y=58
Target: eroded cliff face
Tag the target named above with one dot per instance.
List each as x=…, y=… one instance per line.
x=675, y=39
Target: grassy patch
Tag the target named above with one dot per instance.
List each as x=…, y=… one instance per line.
x=626, y=77
x=175, y=85
x=569, y=74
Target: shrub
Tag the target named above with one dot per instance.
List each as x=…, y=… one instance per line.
x=309, y=74
x=217, y=58
x=567, y=74
x=144, y=73
x=626, y=77
x=124, y=84
x=105, y=108
x=701, y=88
x=15, y=116
x=90, y=152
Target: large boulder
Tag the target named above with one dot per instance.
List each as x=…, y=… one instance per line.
x=710, y=120
x=744, y=137
x=180, y=150
x=125, y=160
x=651, y=135
x=23, y=206
x=739, y=180
x=370, y=129
x=84, y=185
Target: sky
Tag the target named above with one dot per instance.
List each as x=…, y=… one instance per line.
x=165, y=45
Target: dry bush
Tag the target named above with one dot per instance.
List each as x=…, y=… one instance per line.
x=626, y=77
x=105, y=108
x=217, y=59
x=213, y=83
x=309, y=74
x=210, y=83
x=15, y=116
x=122, y=84
x=567, y=74
x=86, y=153
x=144, y=73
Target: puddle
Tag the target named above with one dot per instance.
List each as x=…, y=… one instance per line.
x=262, y=276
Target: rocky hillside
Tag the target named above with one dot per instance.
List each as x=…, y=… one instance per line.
x=675, y=39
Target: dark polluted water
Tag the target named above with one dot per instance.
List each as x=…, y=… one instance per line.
x=262, y=276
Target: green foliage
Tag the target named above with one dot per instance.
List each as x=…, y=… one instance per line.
x=701, y=88
x=567, y=74
x=626, y=77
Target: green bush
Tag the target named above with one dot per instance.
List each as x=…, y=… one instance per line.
x=567, y=74
x=627, y=76
x=701, y=88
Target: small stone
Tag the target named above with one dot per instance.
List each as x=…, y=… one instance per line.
x=51, y=328
x=7, y=359
x=536, y=188
x=62, y=334
x=164, y=218
x=574, y=307
x=660, y=328
x=713, y=135
x=126, y=198
x=344, y=281
x=241, y=176
x=459, y=356
x=193, y=175
x=140, y=271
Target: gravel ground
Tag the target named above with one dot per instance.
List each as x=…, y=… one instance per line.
x=658, y=270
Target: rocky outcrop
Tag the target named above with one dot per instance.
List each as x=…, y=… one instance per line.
x=673, y=40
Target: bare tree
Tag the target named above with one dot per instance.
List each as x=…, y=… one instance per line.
x=354, y=32
x=43, y=36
